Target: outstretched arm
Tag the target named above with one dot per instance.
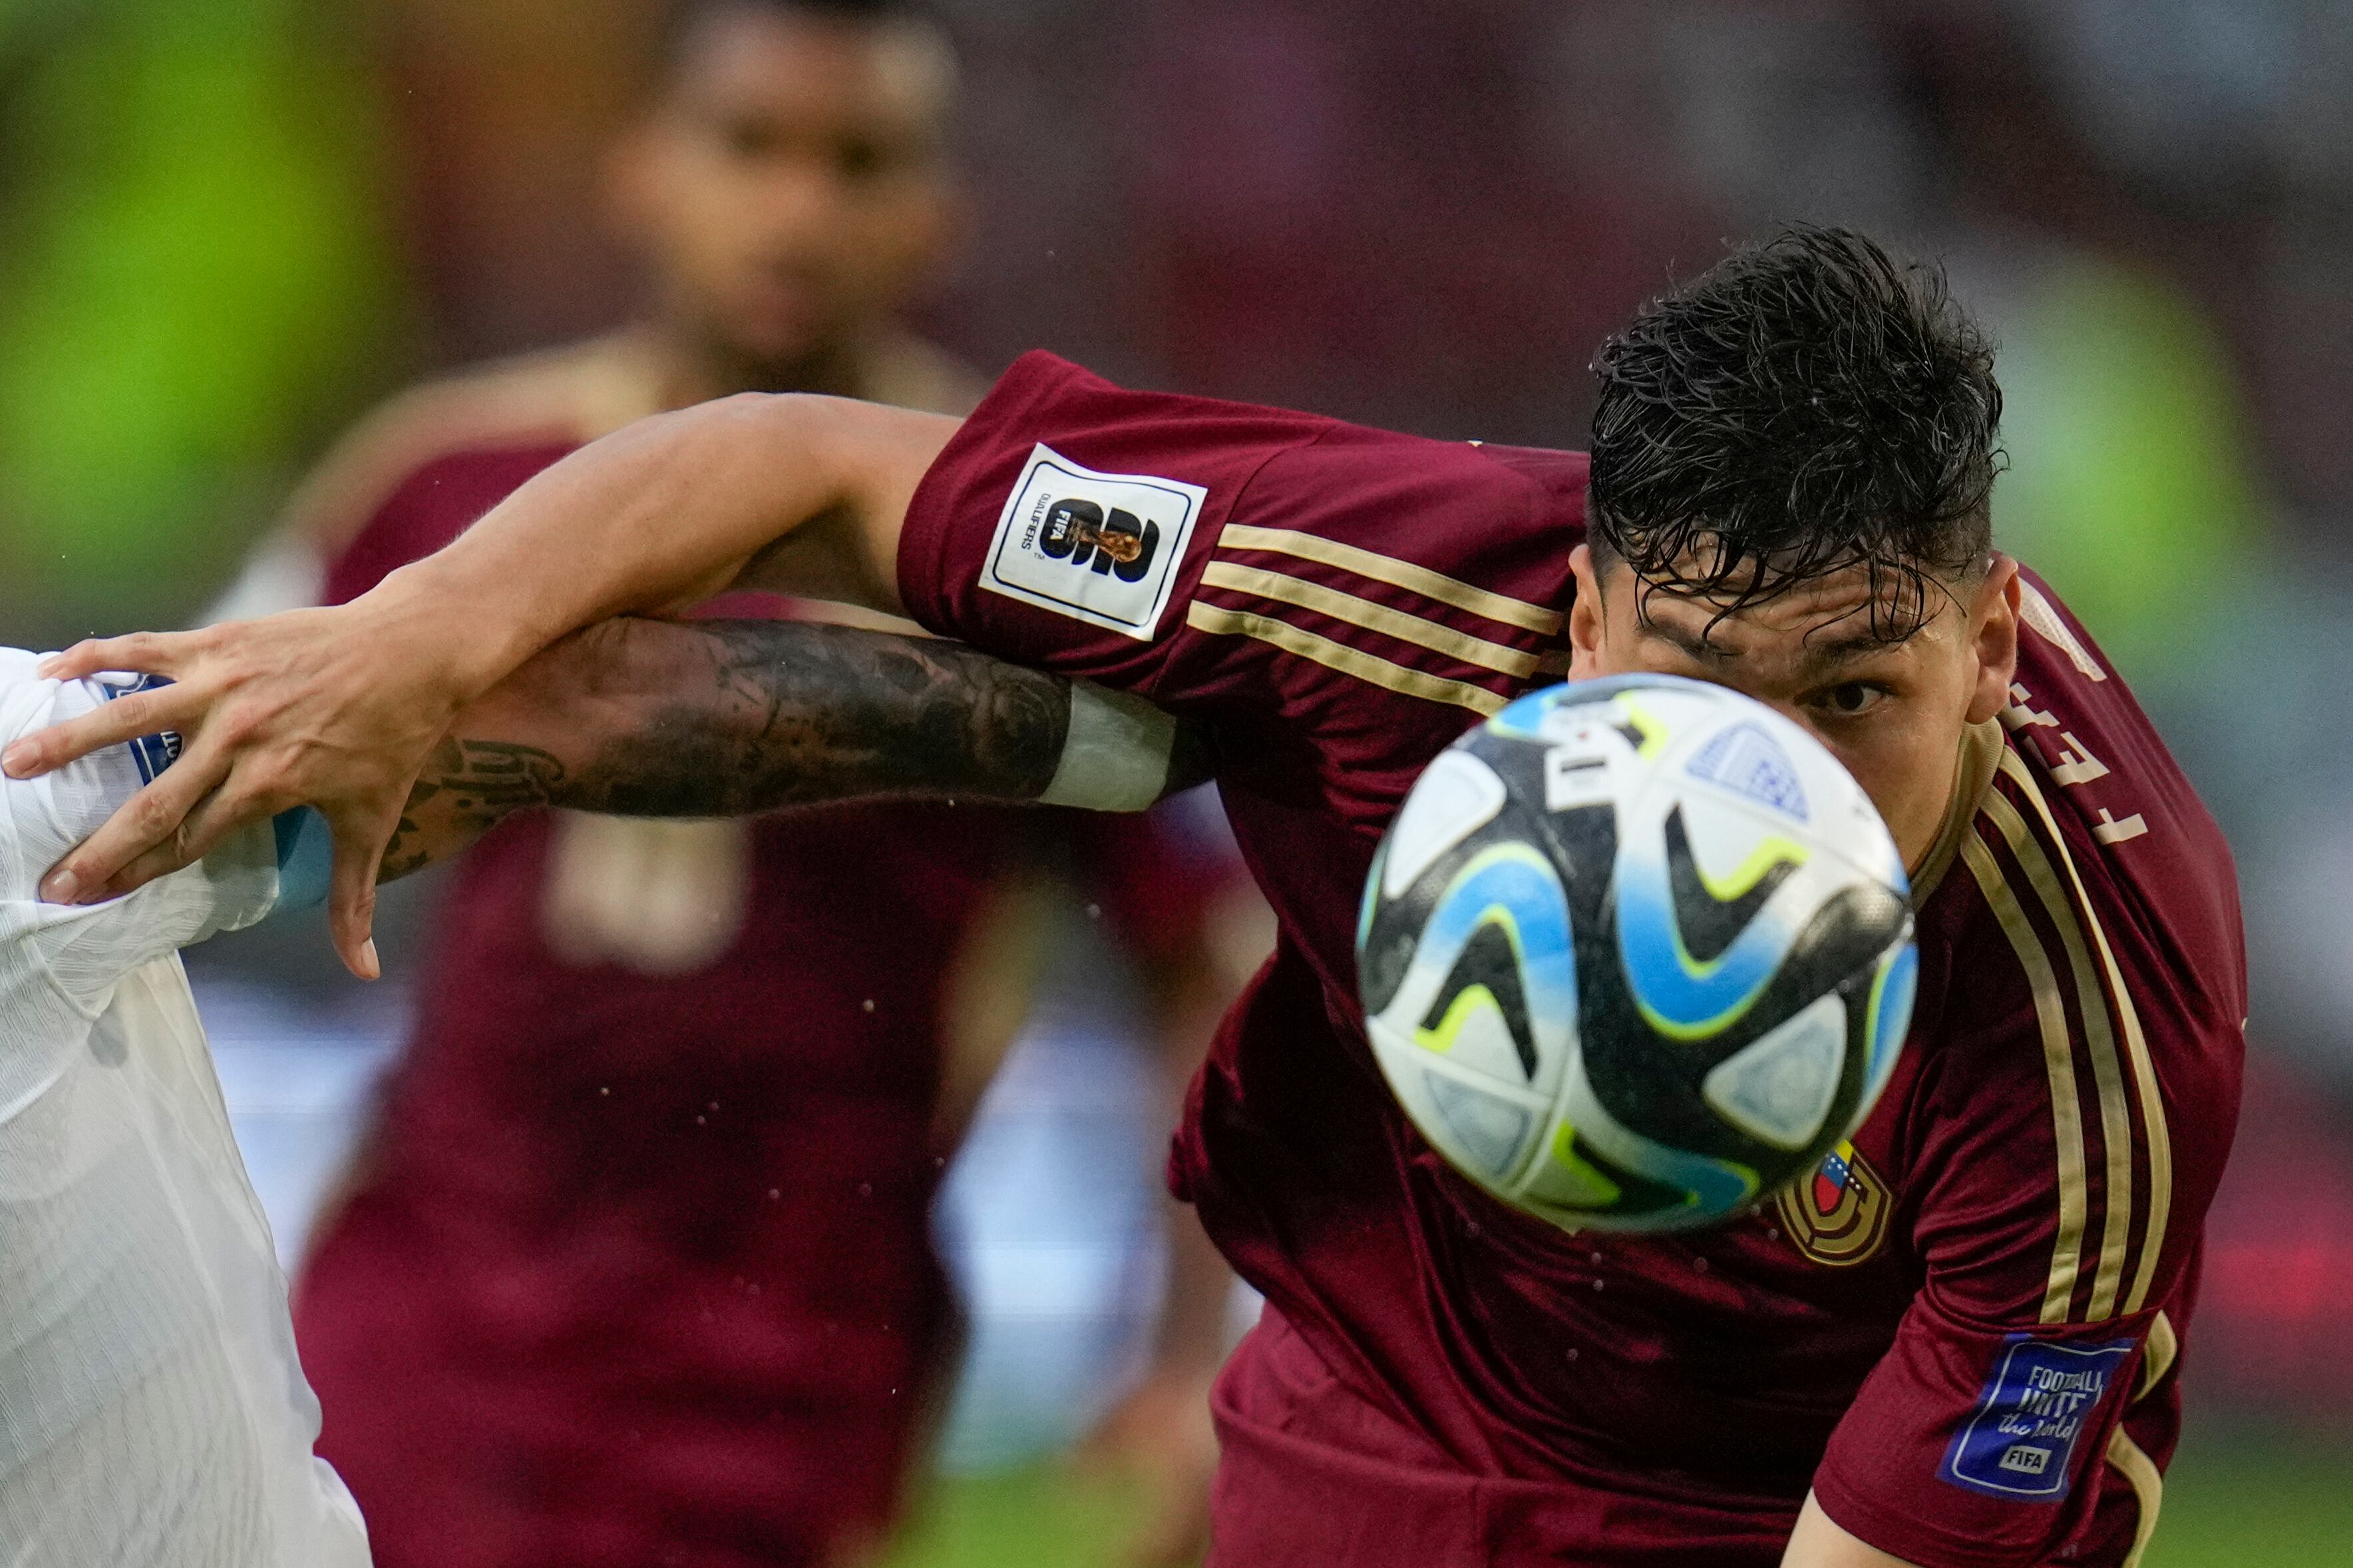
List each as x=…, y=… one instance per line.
x=338, y=708
x=644, y=717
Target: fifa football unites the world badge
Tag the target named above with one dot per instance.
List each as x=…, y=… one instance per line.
x=1635, y=955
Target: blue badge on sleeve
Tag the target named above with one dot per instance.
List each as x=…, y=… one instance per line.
x=153, y=753
x=2020, y=1440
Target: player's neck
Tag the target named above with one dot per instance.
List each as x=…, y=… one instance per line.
x=1975, y=761
x=697, y=371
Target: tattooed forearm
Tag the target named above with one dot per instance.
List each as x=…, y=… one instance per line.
x=465, y=788
x=753, y=715
x=726, y=717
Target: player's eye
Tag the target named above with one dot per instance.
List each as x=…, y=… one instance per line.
x=862, y=160
x=1850, y=699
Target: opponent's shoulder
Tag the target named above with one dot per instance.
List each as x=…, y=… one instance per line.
x=565, y=396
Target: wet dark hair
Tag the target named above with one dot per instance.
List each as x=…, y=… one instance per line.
x=1808, y=405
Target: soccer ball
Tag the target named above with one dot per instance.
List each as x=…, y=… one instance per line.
x=1636, y=953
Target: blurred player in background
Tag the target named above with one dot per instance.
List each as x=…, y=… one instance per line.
x=635, y=1269
x=152, y=1413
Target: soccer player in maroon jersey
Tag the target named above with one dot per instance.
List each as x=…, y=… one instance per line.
x=1957, y=1346
x=637, y=1267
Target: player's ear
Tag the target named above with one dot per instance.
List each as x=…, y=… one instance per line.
x=1585, y=625
x=1993, y=638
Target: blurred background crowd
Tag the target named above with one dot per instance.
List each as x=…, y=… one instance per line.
x=229, y=227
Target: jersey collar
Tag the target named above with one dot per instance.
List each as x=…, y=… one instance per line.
x=1973, y=772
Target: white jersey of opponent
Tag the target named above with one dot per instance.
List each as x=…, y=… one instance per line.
x=152, y=1413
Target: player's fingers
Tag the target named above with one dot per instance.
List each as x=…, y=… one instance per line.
x=360, y=839
x=148, y=820
x=161, y=861
x=208, y=827
x=109, y=724
x=143, y=653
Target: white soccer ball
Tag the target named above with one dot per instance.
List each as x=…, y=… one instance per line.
x=1636, y=953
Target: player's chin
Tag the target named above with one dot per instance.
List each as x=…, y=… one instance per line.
x=778, y=331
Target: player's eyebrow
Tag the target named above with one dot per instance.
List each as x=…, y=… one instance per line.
x=1820, y=657
x=1696, y=643
x=1843, y=650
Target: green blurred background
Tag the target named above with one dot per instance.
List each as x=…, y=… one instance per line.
x=227, y=225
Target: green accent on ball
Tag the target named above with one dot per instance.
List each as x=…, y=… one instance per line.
x=1871, y=1009
x=1655, y=730
x=1467, y=1000
x=1772, y=854
x=1743, y=878
x=1590, y=1189
x=1706, y=1028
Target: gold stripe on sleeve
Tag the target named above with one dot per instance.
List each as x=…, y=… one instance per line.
x=2099, y=1034
x=1336, y=656
x=1373, y=617
x=2152, y=1100
x=2147, y=1484
x=2164, y=1348
x=1395, y=573
x=2059, y=1066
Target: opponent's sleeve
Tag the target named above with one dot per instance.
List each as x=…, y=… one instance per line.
x=1347, y=596
x=2064, y=1150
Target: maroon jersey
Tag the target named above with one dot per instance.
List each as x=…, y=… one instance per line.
x=638, y=1268
x=1961, y=1331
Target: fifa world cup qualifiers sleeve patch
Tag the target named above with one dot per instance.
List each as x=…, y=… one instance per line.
x=2018, y=1441
x=1105, y=549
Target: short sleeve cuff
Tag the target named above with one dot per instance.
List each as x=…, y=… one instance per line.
x=944, y=498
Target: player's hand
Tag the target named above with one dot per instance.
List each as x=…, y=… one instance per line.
x=1161, y=1436
x=334, y=708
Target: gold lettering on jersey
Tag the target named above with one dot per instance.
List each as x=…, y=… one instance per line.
x=2076, y=765
x=1838, y=1215
x=2021, y=713
x=2108, y=830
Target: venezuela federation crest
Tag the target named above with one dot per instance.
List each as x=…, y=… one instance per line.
x=1838, y=1216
